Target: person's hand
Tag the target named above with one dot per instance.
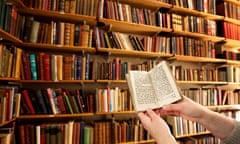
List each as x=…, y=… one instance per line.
x=157, y=127
x=186, y=108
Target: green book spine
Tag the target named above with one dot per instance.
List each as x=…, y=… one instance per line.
x=69, y=104
x=75, y=104
x=87, y=137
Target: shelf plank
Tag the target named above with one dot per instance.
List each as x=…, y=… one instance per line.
x=139, y=142
x=51, y=116
x=196, y=59
x=151, y=4
x=202, y=82
x=133, y=28
x=56, y=82
x=224, y=107
x=116, y=113
x=56, y=16
x=111, y=81
x=52, y=47
x=233, y=62
x=199, y=35
x=6, y=36
x=230, y=86
x=193, y=134
x=231, y=45
x=133, y=53
x=188, y=11
x=231, y=20
x=8, y=122
x=9, y=79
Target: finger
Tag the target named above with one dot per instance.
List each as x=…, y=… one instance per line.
x=151, y=113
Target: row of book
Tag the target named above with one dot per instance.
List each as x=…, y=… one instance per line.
x=10, y=57
x=228, y=9
x=229, y=73
x=9, y=103
x=229, y=30
x=62, y=101
x=82, y=7
x=194, y=24
x=200, y=140
x=9, y=18
x=90, y=7
x=213, y=96
x=56, y=32
x=74, y=132
x=179, y=45
x=113, y=100
x=125, y=12
x=7, y=135
x=194, y=74
x=60, y=67
x=43, y=66
x=207, y=6
x=181, y=126
x=56, y=101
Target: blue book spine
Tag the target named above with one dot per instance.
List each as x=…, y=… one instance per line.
x=79, y=67
x=87, y=67
x=33, y=65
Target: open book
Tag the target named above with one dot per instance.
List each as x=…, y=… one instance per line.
x=152, y=89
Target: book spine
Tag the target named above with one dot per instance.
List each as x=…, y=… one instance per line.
x=33, y=64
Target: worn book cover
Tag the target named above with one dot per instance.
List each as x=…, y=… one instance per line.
x=154, y=88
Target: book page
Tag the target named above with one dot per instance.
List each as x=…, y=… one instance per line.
x=164, y=84
x=141, y=90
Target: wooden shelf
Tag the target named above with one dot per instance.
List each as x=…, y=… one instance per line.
x=59, y=16
x=59, y=48
x=56, y=82
x=8, y=122
x=198, y=35
x=116, y=113
x=133, y=53
x=231, y=20
x=6, y=36
x=188, y=11
x=9, y=79
x=151, y=4
x=224, y=107
x=231, y=45
x=133, y=28
x=191, y=135
x=230, y=86
x=196, y=59
x=139, y=142
x=202, y=82
x=111, y=81
x=233, y=62
x=53, y=116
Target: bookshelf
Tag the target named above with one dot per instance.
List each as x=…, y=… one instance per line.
x=104, y=54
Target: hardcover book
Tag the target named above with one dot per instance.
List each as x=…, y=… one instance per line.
x=152, y=89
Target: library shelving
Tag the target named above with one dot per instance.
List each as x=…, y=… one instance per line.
x=156, y=31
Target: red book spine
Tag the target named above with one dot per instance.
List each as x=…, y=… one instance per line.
x=26, y=66
x=46, y=67
x=28, y=101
